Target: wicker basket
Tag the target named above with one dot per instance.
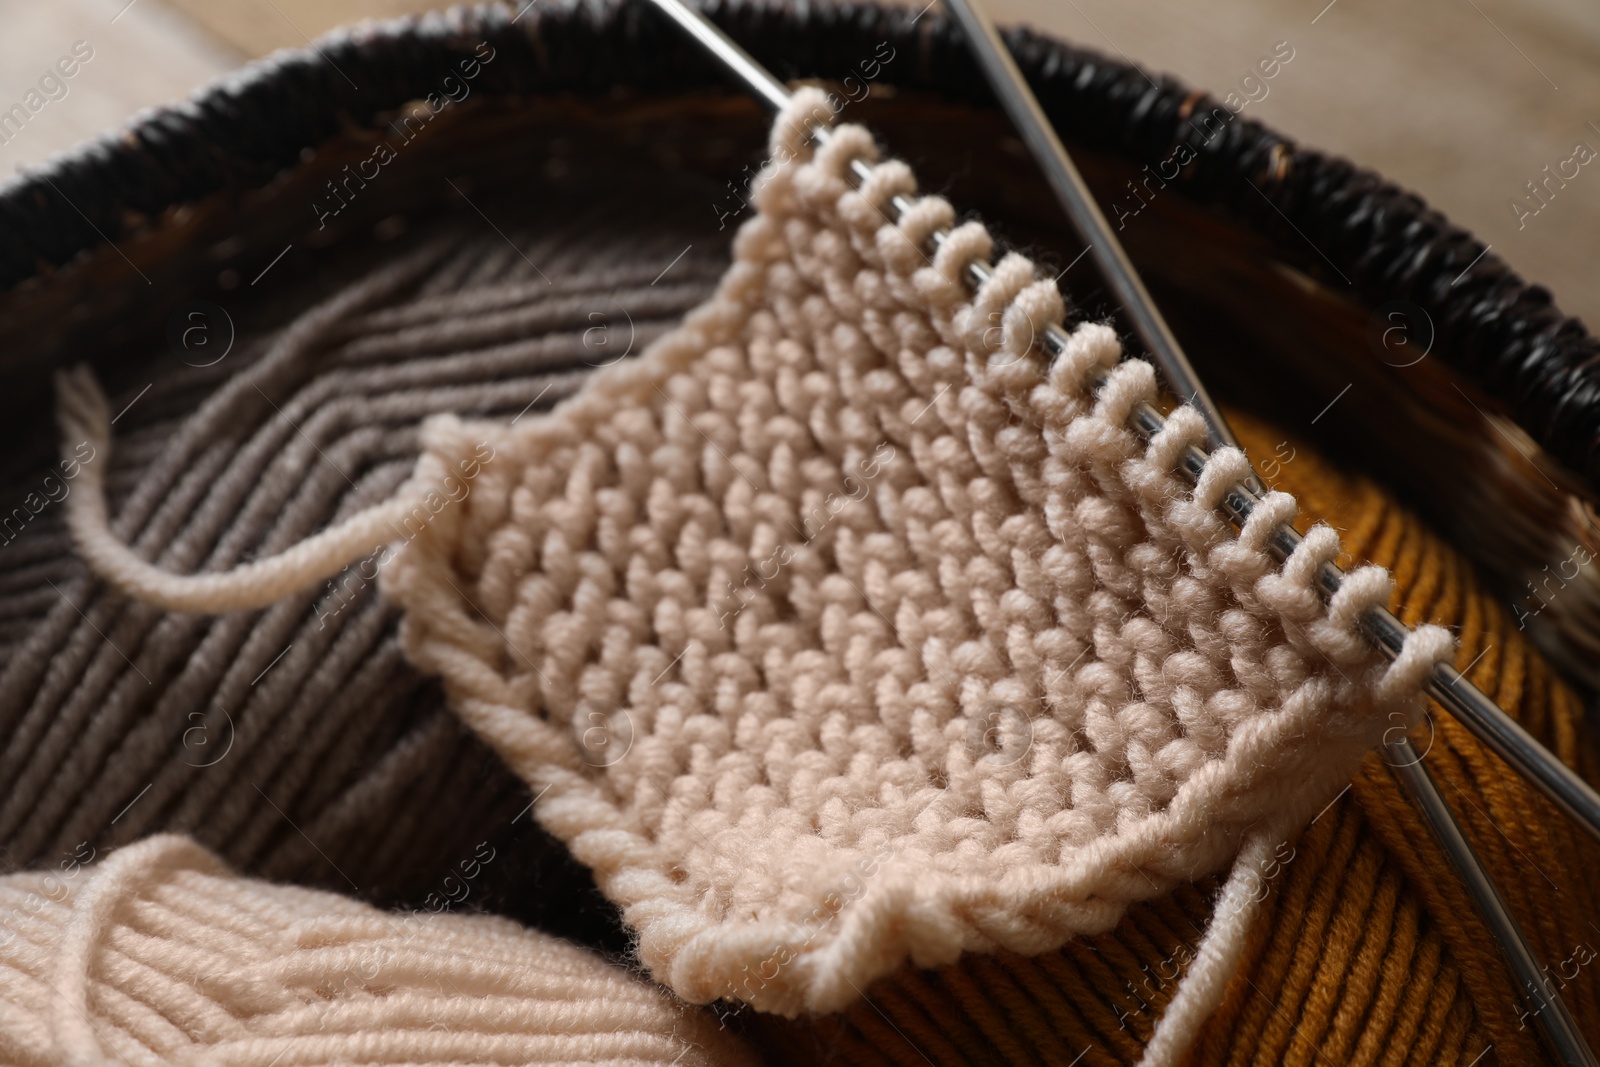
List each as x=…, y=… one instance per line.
x=1293, y=279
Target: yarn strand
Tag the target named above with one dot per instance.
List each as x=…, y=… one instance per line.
x=1205, y=983
x=83, y=414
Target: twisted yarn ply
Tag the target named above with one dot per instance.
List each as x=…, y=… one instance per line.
x=840, y=630
x=158, y=955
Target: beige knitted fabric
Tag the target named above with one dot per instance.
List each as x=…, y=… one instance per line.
x=158, y=955
x=840, y=629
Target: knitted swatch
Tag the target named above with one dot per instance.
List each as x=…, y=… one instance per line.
x=838, y=629
x=158, y=955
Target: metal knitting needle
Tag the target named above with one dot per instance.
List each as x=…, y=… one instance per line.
x=1486, y=719
x=1464, y=700
x=1544, y=1003
x=1483, y=717
x=719, y=44
x=1073, y=193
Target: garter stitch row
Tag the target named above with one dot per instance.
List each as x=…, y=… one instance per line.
x=837, y=630
x=158, y=955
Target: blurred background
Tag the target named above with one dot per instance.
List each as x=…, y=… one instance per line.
x=1466, y=102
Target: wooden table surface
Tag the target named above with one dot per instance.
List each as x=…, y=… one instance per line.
x=1462, y=101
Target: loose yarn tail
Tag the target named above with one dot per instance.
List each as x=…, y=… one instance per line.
x=83, y=415
x=1204, y=984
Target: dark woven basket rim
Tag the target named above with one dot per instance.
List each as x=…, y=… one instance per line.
x=1379, y=240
